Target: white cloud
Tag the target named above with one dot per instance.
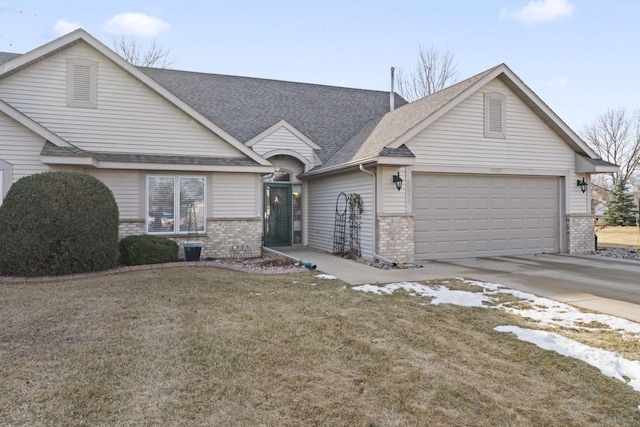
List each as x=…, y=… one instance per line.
x=136, y=24
x=540, y=11
x=63, y=27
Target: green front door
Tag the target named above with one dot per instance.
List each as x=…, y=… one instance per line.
x=277, y=214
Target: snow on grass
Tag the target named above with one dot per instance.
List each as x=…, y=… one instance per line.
x=543, y=310
x=609, y=363
x=440, y=294
x=554, y=313
x=325, y=277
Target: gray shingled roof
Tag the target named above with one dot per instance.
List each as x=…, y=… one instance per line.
x=373, y=139
x=50, y=149
x=6, y=57
x=244, y=106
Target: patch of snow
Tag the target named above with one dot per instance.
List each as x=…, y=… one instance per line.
x=555, y=313
x=372, y=289
x=547, y=312
x=609, y=363
x=326, y=277
x=440, y=294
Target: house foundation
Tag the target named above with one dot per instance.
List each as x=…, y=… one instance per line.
x=225, y=238
x=395, y=237
x=581, y=234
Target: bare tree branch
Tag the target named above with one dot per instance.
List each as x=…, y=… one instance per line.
x=615, y=136
x=132, y=50
x=435, y=70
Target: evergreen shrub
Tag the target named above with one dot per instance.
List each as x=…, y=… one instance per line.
x=57, y=223
x=147, y=249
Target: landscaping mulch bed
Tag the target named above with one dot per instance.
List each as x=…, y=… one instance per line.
x=619, y=253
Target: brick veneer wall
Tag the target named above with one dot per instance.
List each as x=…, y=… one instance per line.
x=395, y=237
x=581, y=234
x=225, y=238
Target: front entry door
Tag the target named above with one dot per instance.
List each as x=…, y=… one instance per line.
x=277, y=214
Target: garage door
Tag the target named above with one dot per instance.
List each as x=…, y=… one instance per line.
x=476, y=215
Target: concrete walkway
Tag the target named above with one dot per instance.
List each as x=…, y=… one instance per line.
x=601, y=284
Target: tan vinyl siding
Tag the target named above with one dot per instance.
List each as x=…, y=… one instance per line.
x=126, y=187
x=393, y=201
x=283, y=139
x=129, y=116
x=235, y=195
x=21, y=148
x=457, y=138
x=322, y=207
x=579, y=202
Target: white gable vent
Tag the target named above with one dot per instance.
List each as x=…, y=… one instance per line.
x=495, y=107
x=82, y=83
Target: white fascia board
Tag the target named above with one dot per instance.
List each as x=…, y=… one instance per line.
x=583, y=165
x=382, y=161
x=184, y=167
x=82, y=35
x=283, y=123
x=32, y=125
x=92, y=162
x=69, y=160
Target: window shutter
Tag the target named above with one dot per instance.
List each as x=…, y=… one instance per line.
x=82, y=83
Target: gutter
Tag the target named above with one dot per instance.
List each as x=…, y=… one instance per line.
x=375, y=226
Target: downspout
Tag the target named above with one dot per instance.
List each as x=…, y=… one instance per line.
x=375, y=224
x=310, y=265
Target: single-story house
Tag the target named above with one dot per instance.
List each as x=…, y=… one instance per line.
x=481, y=168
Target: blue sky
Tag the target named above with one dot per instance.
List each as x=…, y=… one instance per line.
x=580, y=56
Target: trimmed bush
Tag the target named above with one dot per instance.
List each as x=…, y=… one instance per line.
x=146, y=249
x=57, y=223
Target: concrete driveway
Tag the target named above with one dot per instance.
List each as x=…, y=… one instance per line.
x=601, y=284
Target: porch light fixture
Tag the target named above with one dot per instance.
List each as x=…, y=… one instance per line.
x=583, y=185
x=397, y=180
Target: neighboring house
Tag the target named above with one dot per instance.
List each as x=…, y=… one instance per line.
x=487, y=167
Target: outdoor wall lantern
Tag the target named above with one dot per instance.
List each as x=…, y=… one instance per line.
x=397, y=180
x=583, y=185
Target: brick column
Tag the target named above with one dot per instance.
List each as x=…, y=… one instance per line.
x=395, y=237
x=581, y=234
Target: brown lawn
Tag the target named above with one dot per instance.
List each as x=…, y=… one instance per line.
x=221, y=348
x=618, y=237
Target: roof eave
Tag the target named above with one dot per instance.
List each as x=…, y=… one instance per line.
x=587, y=165
x=91, y=162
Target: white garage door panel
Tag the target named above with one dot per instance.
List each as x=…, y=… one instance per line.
x=465, y=215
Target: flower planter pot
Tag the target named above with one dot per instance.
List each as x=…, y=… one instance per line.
x=192, y=251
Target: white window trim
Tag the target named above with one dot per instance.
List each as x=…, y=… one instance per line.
x=93, y=83
x=5, y=179
x=176, y=204
x=492, y=96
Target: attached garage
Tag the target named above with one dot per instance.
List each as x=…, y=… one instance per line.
x=463, y=215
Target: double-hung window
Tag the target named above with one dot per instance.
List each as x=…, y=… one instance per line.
x=175, y=204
